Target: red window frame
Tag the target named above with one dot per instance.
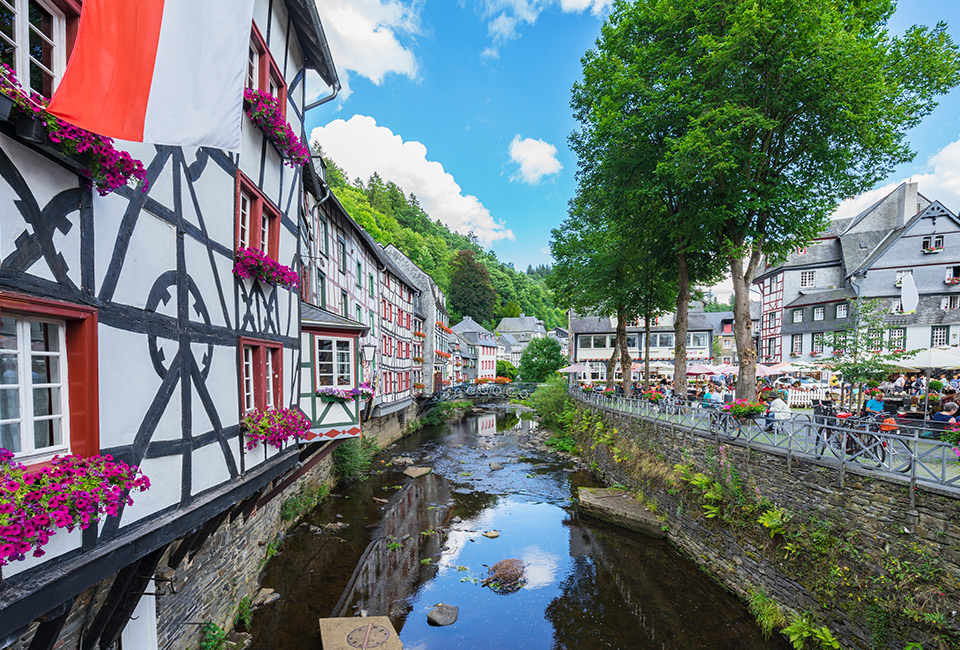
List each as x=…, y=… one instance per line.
x=83, y=377
x=268, y=68
x=260, y=208
x=260, y=350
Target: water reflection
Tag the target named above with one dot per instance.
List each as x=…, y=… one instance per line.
x=587, y=585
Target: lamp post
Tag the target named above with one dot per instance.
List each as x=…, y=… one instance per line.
x=368, y=351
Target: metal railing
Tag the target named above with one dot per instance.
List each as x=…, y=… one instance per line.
x=517, y=390
x=909, y=453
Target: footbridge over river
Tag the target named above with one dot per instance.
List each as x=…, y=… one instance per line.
x=517, y=390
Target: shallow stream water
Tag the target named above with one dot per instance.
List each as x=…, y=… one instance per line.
x=588, y=585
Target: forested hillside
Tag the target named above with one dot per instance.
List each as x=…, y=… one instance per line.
x=391, y=217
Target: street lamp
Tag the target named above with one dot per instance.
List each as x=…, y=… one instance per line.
x=368, y=352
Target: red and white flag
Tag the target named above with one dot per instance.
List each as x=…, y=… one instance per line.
x=161, y=71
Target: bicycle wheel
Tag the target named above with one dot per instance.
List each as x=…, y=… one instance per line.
x=827, y=440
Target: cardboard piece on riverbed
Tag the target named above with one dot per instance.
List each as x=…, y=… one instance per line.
x=618, y=507
x=350, y=633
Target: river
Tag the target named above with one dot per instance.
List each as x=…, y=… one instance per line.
x=412, y=543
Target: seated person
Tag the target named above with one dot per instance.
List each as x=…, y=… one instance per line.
x=778, y=410
x=874, y=406
x=947, y=414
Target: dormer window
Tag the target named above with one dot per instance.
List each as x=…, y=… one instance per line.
x=932, y=244
x=807, y=279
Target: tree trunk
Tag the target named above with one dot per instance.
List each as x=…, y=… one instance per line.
x=680, y=327
x=646, y=351
x=612, y=363
x=626, y=362
x=743, y=329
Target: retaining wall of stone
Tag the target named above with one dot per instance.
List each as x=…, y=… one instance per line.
x=743, y=558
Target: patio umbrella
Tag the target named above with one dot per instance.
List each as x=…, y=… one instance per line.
x=699, y=369
x=946, y=358
x=577, y=367
x=655, y=366
x=726, y=369
x=766, y=371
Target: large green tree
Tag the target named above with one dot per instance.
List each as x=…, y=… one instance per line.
x=541, y=358
x=471, y=292
x=755, y=118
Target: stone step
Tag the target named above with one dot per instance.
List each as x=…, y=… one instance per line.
x=350, y=633
x=620, y=508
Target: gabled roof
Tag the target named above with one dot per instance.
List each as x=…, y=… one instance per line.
x=316, y=52
x=522, y=324
x=934, y=210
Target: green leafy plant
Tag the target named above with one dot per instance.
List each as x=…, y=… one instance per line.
x=272, y=549
x=244, y=616
x=213, y=636
x=802, y=629
x=351, y=460
x=768, y=614
x=774, y=519
x=306, y=499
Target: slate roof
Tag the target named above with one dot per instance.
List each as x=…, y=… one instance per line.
x=522, y=324
x=310, y=315
x=817, y=297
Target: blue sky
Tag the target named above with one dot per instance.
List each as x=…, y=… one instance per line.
x=467, y=104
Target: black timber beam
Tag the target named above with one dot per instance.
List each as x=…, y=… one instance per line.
x=26, y=599
x=121, y=614
x=49, y=629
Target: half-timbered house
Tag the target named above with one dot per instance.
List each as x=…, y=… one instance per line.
x=126, y=332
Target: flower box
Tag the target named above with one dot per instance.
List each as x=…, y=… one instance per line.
x=932, y=250
x=444, y=328
x=274, y=427
x=952, y=281
x=87, y=154
x=254, y=263
x=420, y=335
x=418, y=359
x=331, y=394
x=264, y=110
x=742, y=409
x=74, y=492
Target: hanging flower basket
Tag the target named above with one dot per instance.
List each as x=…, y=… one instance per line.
x=274, y=427
x=264, y=111
x=254, y=263
x=74, y=492
x=105, y=167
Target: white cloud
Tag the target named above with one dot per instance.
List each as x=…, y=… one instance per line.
x=365, y=38
x=536, y=159
x=361, y=148
x=941, y=183
x=504, y=17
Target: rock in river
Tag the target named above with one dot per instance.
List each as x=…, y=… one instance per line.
x=417, y=472
x=495, y=466
x=443, y=614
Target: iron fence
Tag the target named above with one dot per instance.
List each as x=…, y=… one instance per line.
x=912, y=454
x=517, y=390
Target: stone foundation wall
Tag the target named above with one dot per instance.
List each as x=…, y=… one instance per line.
x=389, y=428
x=874, y=514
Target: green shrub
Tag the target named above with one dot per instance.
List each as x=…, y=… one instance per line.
x=351, y=460
x=552, y=404
x=767, y=612
x=439, y=413
x=562, y=441
x=936, y=385
x=306, y=499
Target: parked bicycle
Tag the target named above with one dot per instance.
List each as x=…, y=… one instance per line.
x=871, y=440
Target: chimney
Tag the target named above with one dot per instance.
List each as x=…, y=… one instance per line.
x=907, y=205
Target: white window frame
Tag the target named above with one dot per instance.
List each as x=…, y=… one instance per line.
x=808, y=279
x=21, y=30
x=945, y=330
x=25, y=387
x=796, y=316
x=796, y=344
x=844, y=308
x=336, y=377
x=902, y=274
x=249, y=395
x=816, y=344
x=898, y=335
x=819, y=313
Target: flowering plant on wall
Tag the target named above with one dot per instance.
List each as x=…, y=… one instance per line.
x=743, y=408
x=418, y=359
x=444, y=328
x=932, y=249
x=108, y=168
x=445, y=355
x=274, y=427
x=420, y=335
x=652, y=395
x=418, y=386
x=73, y=492
x=330, y=394
x=254, y=263
x=952, y=281
x=264, y=111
